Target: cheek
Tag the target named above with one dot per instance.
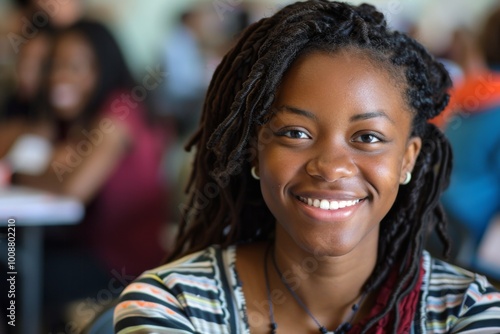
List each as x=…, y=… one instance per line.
x=271, y=172
x=386, y=172
x=88, y=84
x=277, y=168
x=383, y=173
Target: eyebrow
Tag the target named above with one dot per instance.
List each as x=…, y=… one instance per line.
x=369, y=115
x=355, y=118
x=298, y=111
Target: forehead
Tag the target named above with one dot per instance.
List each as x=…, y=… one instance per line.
x=347, y=79
x=73, y=43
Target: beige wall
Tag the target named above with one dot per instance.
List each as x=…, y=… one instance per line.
x=141, y=26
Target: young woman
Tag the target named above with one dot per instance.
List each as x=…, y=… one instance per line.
x=316, y=180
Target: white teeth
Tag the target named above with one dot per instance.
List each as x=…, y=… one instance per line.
x=334, y=205
x=328, y=205
x=325, y=205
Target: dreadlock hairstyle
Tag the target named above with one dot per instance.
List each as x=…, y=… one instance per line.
x=226, y=206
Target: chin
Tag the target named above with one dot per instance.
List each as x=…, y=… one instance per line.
x=326, y=247
x=67, y=114
x=333, y=251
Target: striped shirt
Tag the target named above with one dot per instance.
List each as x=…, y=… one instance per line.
x=201, y=293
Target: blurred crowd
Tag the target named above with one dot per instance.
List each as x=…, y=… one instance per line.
x=470, y=122
x=75, y=121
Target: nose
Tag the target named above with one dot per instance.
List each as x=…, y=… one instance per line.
x=331, y=163
x=59, y=73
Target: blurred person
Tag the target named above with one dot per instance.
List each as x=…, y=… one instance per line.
x=28, y=18
x=31, y=29
x=472, y=200
x=107, y=155
x=25, y=21
x=62, y=13
x=59, y=14
x=465, y=51
x=178, y=102
x=189, y=56
x=197, y=43
x=22, y=114
x=186, y=81
x=24, y=127
x=467, y=61
x=30, y=66
x=24, y=53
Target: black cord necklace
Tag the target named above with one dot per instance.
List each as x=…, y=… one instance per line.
x=343, y=327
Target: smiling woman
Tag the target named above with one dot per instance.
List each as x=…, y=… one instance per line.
x=329, y=148
x=328, y=179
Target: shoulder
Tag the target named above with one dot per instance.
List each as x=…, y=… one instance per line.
x=190, y=270
x=124, y=107
x=457, y=300
x=194, y=271
x=120, y=117
x=185, y=295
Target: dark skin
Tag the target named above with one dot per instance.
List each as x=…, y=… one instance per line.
x=330, y=162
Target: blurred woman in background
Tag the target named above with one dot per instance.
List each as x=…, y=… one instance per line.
x=107, y=155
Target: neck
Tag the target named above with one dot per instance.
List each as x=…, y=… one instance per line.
x=328, y=285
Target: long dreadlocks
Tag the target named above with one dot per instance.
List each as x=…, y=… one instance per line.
x=226, y=206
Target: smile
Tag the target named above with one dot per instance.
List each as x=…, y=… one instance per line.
x=328, y=205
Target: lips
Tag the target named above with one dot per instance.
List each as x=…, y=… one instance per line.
x=325, y=204
x=64, y=96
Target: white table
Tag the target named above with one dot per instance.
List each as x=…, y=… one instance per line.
x=32, y=210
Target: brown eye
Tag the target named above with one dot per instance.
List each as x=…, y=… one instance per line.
x=368, y=138
x=294, y=134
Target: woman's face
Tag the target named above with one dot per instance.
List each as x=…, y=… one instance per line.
x=332, y=158
x=73, y=76
x=30, y=67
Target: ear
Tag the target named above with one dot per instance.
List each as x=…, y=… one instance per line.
x=411, y=153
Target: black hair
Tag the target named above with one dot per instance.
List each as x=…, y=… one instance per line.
x=113, y=72
x=22, y=3
x=226, y=206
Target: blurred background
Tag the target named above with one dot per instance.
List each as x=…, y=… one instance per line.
x=99, y=97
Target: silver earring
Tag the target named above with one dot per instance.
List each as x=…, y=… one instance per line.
x=408, y=178
x=253, y=171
